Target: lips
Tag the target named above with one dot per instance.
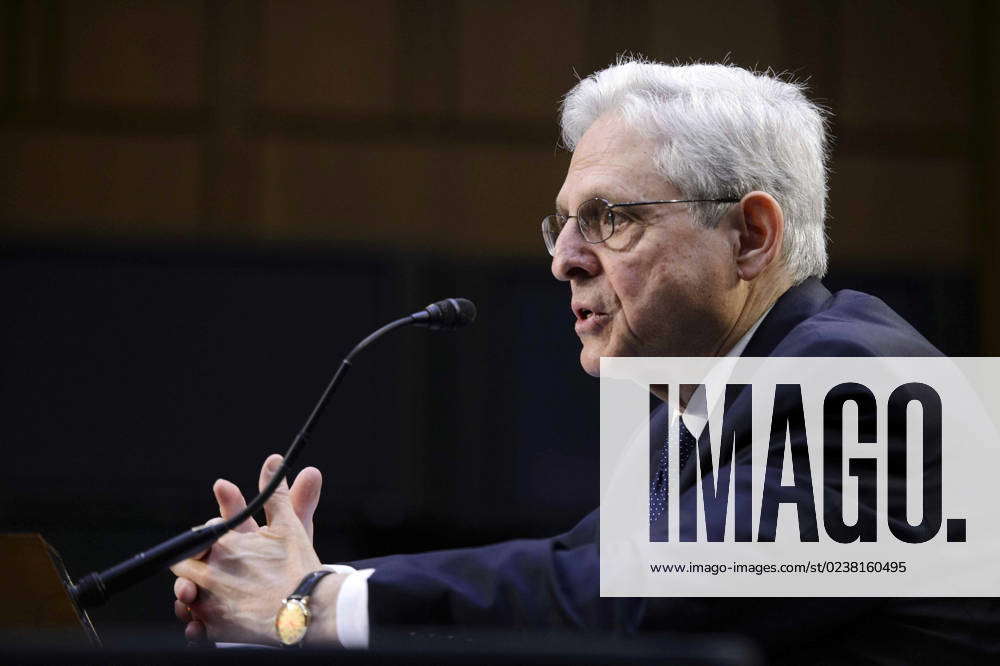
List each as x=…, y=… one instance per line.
x=589, y=318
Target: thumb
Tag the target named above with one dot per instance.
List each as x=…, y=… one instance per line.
x=278, y=508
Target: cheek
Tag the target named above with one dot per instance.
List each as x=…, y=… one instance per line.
x=660, y=296
x=631, y=283
x=646, y=305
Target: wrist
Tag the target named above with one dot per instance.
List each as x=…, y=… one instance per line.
x=308, y=616
x=323, y=605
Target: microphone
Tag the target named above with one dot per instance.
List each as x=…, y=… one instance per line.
x=96, y=588
x=446, y=315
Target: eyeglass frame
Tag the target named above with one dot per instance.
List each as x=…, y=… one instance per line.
x=612, y=206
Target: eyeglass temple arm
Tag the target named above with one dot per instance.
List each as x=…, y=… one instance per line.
x=666, y=201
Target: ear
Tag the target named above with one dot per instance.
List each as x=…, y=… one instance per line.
x=761, y=233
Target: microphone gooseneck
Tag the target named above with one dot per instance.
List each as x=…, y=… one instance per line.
x=96, y=588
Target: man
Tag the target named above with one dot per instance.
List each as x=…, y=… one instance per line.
x=690, y=223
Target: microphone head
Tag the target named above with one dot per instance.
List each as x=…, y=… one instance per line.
x=449, y=314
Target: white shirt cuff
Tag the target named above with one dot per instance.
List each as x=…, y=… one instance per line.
x=352, y=606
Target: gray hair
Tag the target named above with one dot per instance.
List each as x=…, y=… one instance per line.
x=722, y=131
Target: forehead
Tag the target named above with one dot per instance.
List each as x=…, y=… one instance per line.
x=615, y=162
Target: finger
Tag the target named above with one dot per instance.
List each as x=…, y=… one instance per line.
x=186, y=591
x=231, y=502
x=204, y=553
x=182, y=611
x=304, y=495
x=195, y=632
x=195, y=571
x=278, y=508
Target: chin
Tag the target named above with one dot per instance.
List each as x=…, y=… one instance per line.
x=590, y=362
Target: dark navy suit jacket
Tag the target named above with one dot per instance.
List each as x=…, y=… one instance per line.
x=553, y=583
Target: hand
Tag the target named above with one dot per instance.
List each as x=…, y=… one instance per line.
x=234, y=590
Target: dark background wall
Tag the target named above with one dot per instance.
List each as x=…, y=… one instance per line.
x=202, y=204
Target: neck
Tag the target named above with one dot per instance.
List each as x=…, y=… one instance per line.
x=760, y=295
x=758, y=298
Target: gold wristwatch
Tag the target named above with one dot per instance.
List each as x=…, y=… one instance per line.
x=292, y=621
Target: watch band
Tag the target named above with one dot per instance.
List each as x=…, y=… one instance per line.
x=308, y=583
x=292, y=620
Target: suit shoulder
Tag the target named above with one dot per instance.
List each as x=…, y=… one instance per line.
x=852, y=323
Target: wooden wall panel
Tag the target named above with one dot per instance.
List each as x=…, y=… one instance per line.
x=518, y=58
x=132, y=53
x=476, y=200
x=229, y=158
x=379, y=194
x=104, y=186
x=906, y=63
x=748, y=34
x=320, y=55
x=8, y=40
x=427, y=44
x=34, y=40
x=502, y=195
x=245, y=115
x=899, y=213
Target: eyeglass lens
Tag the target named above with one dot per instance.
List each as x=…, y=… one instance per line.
x=597, y=220
x=594, y=217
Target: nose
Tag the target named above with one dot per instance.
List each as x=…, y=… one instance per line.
x=574, y=257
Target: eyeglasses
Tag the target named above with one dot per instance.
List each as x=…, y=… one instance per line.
x=597, y=219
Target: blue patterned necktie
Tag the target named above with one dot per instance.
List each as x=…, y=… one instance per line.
x=658, y=486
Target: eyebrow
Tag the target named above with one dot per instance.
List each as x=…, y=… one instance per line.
x=596, y=194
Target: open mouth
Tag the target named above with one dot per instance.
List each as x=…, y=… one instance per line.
x=588, y=316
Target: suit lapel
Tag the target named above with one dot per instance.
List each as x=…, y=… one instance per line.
x=792, y=308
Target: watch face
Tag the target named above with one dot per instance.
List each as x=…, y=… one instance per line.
x=292, y=621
